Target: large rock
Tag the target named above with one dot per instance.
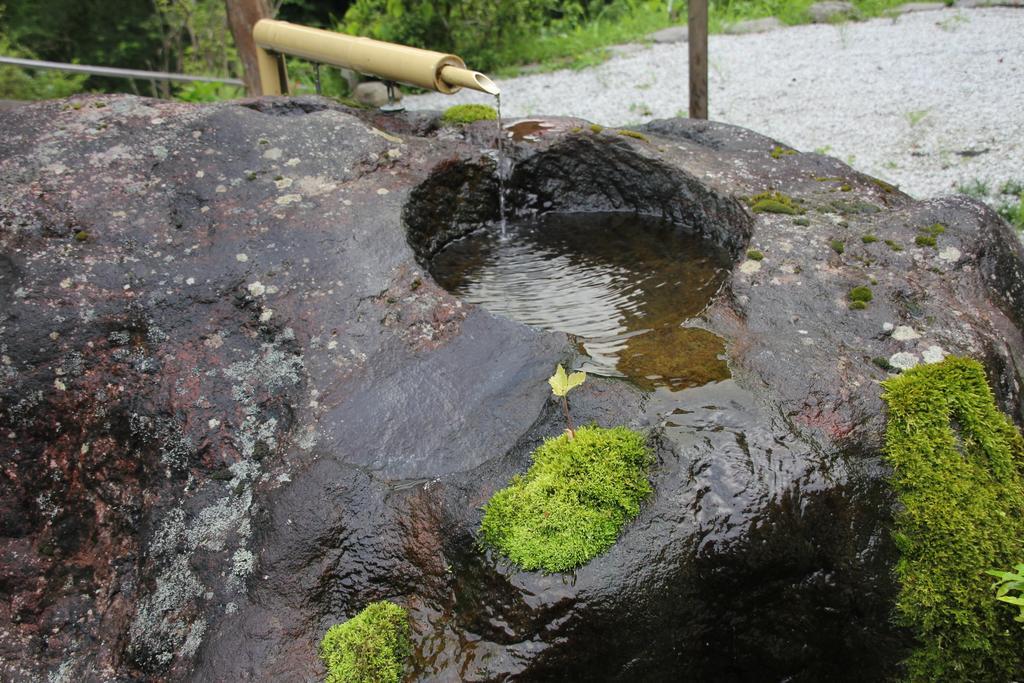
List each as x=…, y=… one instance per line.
x=235, y=408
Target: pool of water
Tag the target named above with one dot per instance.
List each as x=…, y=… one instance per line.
x=623, y=285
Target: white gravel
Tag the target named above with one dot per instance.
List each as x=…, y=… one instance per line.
x=925, y=101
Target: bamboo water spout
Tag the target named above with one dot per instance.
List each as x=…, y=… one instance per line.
x=388, y=61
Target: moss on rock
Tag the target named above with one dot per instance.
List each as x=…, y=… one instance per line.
x=571, y=504
x=958, y=469
x=371, y=647
x=468, y=113
x=779, y=151
x=774, y=202
x=633, y=134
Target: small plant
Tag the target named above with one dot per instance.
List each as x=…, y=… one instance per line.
x=892, y=244
x=868, y=239
x=640, y=109
x=1010, y=582
x=461, y=114
x=916, y=117
x=837, y=246
x=754, y=254
x=1013, y=213
x=371, y=647
x=561, y=385
x=976, y=188
x=596, y=128
x=924, y=241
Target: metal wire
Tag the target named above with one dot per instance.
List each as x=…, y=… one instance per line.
x=114, y=72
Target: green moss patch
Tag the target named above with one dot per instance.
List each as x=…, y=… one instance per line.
x=634, y=134
x=958, y=469
x=895, y=246
x=779, y=151
x=371, y=647
x=884, y=186
x=596, y=128
x=571, y=504
x=837, y=246
x=468, y=113
x=774, y=202
x=755, y=254
x=924, y=241
x=859, y=298
x=868, y=239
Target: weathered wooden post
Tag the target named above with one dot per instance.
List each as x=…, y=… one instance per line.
x=242, y=16
x=697, y=16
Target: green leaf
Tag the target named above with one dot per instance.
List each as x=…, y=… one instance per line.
x=562, y=384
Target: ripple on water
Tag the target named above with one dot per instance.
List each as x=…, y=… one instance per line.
x=623, y=285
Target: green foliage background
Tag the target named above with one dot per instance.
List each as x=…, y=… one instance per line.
x=192, y=36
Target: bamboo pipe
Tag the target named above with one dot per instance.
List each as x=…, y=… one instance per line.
x=388, y=61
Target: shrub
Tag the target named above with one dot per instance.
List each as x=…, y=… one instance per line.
x=571, y=504
x=477, y=30
x=371, y=647
x=958, y=470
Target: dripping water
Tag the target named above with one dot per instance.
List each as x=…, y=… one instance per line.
x=502, y=171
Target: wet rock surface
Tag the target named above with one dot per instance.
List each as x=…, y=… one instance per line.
x=234, y=407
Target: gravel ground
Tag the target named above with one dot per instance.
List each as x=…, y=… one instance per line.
x=925, y=101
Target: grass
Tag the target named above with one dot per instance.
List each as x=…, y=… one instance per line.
x=571, y=504
x=791, y=12
x=1012, y=210
x=371, y=647
x=958, y=470
x=561, y=45
x=917, y=116
x=1013, y=213
x=976, y=188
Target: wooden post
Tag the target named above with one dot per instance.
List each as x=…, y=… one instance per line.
x=242, y=16
x=697, y=16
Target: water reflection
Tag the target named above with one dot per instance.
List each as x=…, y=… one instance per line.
x=623, y=285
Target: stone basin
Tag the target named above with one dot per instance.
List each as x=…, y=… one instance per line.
x=235, y=407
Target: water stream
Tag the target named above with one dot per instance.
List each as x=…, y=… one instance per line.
x=502, y=170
